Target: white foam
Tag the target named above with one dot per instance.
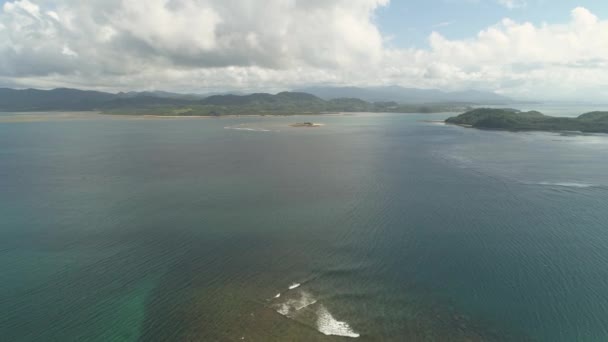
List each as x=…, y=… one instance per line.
x=293, y=305
x=278, y=295
x=294, y=286
x=247, y=129
x=328, y=325
x=568, y=184
x=284, y=309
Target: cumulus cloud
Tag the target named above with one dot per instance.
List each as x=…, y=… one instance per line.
x=200, y=45
x=562, y=59
x=193, y=33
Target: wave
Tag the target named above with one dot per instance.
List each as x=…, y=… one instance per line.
x=294, y=286
x=567, y=184
x=277, y=296
x=292, y=306
x=328, y=325
x=248, y=129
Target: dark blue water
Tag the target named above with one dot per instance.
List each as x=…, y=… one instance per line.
x=116, y=229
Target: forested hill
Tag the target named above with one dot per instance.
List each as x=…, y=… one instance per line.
x=509, y=119
x=154, y=103
x=408, y=95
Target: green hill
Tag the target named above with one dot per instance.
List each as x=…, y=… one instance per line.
x=513, y=120
x=169, y=104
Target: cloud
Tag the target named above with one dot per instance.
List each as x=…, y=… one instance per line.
x=563, y=59
x=443, y=24
x=512, y=4
x=124, y=34
x=200, y=45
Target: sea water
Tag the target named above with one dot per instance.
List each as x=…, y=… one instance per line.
x=372, y=227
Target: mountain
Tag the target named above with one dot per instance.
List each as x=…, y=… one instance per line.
x=162, y=103
x=56, y=99
x=407, y=95
x=83, y=100
x=262, y=98
x=161, y=94
x=262, y=103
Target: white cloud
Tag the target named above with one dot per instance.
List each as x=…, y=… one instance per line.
x=199, y=45
x=560, y=59
x=511, y=4
x=23, y=5
x=68, y=52
x=200, y=33
x=443, y=24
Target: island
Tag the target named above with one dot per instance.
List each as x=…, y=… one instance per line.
x=305, y=124
x=515, y=120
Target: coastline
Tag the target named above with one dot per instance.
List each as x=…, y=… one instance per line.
x=24, y=117
x=516, y=121
x=153, y=116
x=457, y=124
x=521, y=130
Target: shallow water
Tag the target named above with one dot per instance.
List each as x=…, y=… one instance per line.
x=377, y=226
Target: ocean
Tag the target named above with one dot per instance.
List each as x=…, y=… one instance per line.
x=373, y=227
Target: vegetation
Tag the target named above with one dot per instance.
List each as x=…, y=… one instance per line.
x=285, y=103
x=510, y=119
x=407, y=95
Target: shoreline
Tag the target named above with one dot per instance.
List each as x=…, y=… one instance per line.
x=19, y=117
x=562, y=132
x=153, y=116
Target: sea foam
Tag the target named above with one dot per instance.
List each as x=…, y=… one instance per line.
x=328, y=325
x=294, y=286
x=568, y=184
x=325, y=322
x=293, y=305
x=250, y=129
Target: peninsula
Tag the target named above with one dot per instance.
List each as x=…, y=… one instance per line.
x=514, y=120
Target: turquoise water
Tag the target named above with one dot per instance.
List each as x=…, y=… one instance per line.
x=117, y=229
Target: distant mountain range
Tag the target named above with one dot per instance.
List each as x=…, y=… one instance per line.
x=56, y=99
x=74, y=99
x=82, y=100
x=408, y=95
x=161, y=94
x=313, y=100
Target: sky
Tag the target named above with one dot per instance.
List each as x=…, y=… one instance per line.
x=526, y=49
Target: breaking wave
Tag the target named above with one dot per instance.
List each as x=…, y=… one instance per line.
x=293, y=305
x=303, y=307
x=567, y=184
x=328, y=325
x=249, y=129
